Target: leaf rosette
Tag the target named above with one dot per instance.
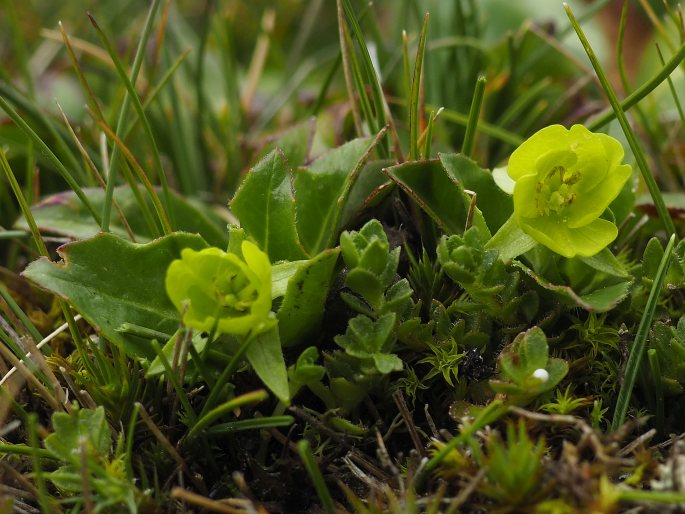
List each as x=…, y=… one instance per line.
x=222, y=291
x=565, y=179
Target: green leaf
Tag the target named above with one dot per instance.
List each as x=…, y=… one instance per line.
x=63, y=214
x=439, y=194
x=369, y=189
x=651, y=257
x=281, y=274
x=265, y=206
x=111, y=281
x=266, y=358
x=603, y=297
x=321, y=191
x=70, y=429
x=295, y=143
x=533, y=350
x=606, y=262
x=365, y=337
x=494, y=203
x=303, y=305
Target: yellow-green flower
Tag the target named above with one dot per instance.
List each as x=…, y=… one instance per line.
x=565, y=179
x=212, y=287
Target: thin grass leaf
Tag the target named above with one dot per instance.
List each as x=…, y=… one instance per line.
x=92, y=100
x=638, y=348
x=486, y=128
x=474, y=115
x=655, y=369
x=245, y=399
x=251, y=424
x=642, y=91
x=130, y=438
x=495, y=410
x=23, y=204
x=379, y=120
x=672, y=87
x=96, y=173
x=219, y=386
x=19, y=313
x=162, y=213
x=627, y=130
x=416, y=91
x=125, y=104
x=45, y=502
x=172, y=375
x=133, y=97
x=66, y=175
x=315, y=475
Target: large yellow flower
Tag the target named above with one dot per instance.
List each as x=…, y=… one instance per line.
x=565, y=179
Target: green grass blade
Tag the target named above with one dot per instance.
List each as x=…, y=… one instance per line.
x=172, y=375
x=125, y=104
x=44, y=499
x=672, y=88
x=643, y=90
x=23, y=204
x=250, y=424
x=486, y=128
x=495, y=410
x=63, y=171
x=32, y=110
x=130, y=438
x=20, y=314
x=315, y=475
x=414, y=99
x=655, y=369
x=140, y=173
x=474, y=115
x=638, y=348
x=371, y=78
x=627, y=130
x=245, y=399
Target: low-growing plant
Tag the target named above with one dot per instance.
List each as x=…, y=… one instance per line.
x=313, y=265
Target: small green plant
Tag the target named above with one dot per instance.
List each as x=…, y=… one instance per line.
x=372, y=267
x=527, y=369
x=514, y=468
x=88, y=471
x=564, y=403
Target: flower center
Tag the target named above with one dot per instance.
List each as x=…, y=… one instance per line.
x=234, y=292
x=554, y=190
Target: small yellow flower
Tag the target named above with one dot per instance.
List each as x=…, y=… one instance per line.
x=215, y=288
x=565, y=179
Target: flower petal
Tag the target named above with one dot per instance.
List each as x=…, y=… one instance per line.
x=524, y=197
x=593, y=238
x=523, y=159
x=551, y=233
x=589, y=205
x=558, y=237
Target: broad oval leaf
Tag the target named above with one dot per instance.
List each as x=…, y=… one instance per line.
x=321, y=191
x=436, y=191
x=305, y=298
x=114, y=284
x=265, y=206
x=63, y=214
x=494, y=203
